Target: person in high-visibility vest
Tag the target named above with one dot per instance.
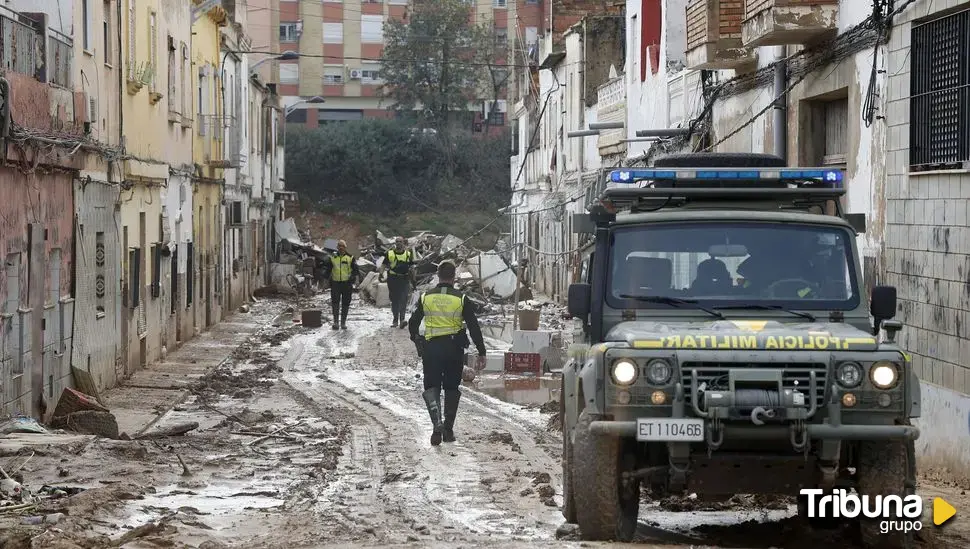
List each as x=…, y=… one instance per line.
x=342, y=271
x=446, y=313
x=400, y=277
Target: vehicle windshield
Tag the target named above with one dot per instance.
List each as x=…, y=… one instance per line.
x=725, y=264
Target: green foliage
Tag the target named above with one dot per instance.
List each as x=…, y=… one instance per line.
x=436, y=60
x=384, y=166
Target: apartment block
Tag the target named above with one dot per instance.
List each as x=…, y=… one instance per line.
x=340, y=44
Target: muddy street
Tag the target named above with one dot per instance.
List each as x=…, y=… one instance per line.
x=300, y=437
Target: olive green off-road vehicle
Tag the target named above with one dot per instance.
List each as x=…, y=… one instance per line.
x=727, y=346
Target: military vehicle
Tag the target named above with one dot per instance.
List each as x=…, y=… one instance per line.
x=726, y=347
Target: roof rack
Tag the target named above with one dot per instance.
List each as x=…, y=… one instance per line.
x=676, y=186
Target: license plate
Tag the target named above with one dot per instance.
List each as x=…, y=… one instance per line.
x=675, y=430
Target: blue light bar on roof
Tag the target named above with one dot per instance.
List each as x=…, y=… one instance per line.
x=832, y=178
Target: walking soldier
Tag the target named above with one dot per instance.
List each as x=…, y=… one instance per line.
x=446, y=313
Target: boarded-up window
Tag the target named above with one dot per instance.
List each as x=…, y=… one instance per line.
x=836, y=120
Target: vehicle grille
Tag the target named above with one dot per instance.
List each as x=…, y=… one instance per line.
x=794, y=375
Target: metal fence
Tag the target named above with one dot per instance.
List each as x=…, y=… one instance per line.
x=21, y=46
x=59, y=67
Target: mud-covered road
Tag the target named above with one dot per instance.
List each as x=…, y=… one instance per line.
x=319, y=438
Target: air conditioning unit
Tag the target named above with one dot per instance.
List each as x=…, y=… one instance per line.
x=355, y=74
x=92, y=109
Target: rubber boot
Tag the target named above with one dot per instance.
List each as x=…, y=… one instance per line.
x=451, y=411
x=432, y=399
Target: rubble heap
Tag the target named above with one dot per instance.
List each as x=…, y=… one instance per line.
x=486, y=277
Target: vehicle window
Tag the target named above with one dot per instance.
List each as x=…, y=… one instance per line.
x=723, y=264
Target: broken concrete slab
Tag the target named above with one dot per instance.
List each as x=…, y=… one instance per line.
x=494, y=274
x=14, y=443
x=449, y=244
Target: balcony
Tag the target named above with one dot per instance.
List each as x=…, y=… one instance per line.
x=21, y=45
x=714, y=35
x=784, y=22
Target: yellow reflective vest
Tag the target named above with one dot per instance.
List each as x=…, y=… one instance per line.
x=341, y=267
x=443, y=313
x=393, y=258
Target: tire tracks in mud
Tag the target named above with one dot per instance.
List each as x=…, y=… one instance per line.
x=390, y=483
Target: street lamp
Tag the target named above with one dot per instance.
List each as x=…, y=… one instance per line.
x=285, y=56
x=313, y=100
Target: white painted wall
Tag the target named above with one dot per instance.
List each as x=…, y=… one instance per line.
x=177, y=209
x=649, y=103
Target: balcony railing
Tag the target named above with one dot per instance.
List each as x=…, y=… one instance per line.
x=60, y=51
x=21, y=45
x=714, y=35
x=784, y=22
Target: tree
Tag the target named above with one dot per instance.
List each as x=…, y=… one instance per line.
x=383, y=166
x=432, y=60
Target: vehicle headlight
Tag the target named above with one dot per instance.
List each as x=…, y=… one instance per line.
x=849, y=375
x=659, y=372
x=624, y=372
x=884, y=375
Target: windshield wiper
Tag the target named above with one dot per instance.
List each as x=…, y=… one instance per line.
x=672, y=301
x=809, y=316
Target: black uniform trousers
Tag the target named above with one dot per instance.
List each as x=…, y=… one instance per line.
x=397, y=286
x=442, y=359
x=340, y=294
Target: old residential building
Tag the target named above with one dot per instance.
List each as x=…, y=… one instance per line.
x=205, y=257
x=340, y=44
x=44, y=125
x=551, y=171
x=115, y=137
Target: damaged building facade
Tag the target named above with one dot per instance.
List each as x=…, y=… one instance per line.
x=874, y=91
x=99, y=227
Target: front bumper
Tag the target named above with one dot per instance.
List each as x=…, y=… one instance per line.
x=773, y=432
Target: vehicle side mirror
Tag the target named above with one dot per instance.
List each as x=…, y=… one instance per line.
x=577, y=304
x=882, y=306
x=857, y=222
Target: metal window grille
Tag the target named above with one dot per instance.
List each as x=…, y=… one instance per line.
x=940, y=94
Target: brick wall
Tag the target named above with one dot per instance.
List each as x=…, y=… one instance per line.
x=706, y=17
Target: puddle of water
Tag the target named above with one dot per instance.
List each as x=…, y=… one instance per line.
x=212, y=500
x=686, y=522
x=521, y=390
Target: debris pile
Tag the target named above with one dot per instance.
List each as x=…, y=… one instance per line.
x=487, y=277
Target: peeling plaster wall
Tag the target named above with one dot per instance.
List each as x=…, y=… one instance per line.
x=97, y=313
x=44, y=200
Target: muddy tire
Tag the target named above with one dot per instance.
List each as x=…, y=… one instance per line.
x=883, y=469
x=568, y=501
x=605, y=510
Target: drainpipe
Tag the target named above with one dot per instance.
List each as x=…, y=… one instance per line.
x=780, y=122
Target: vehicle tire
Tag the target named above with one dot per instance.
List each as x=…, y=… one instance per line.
x=883, y=469
x=568, y=501
x=719, y=160
x=605, y=510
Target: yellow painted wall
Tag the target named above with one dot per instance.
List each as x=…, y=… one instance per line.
x=206, y=68
x=141, y=211
x=207, y=233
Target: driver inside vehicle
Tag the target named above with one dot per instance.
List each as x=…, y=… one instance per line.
x=765, y=273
